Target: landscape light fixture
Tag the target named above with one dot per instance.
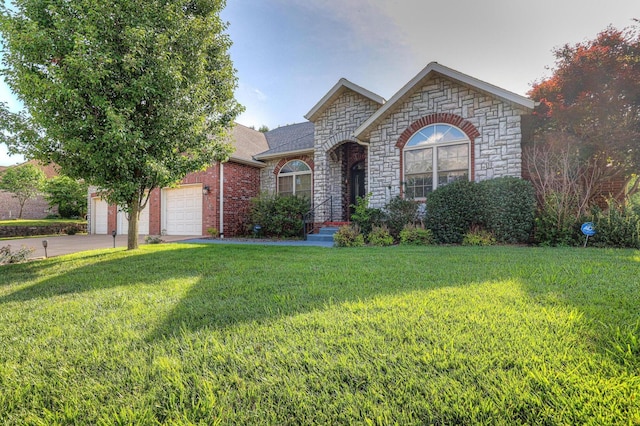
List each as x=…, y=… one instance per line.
x=113, y=234
x=205, y=190
x=45, y=243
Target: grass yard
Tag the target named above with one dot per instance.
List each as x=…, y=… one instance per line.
x=40, y=222
x=206, y=334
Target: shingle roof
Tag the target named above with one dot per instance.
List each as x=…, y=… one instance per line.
x=247, y=142
x=292, y=138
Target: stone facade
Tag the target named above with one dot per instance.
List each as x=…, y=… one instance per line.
x=335, y=127
x=496, y=151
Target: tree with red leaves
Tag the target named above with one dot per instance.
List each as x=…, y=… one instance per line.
x=593, y=98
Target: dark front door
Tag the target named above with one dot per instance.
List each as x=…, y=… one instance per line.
x=357, y=188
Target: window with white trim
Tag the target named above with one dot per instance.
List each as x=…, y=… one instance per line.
x=294, y=178
x=434, y=156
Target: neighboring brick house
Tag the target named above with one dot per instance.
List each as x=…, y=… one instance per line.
x=34, y=208
x=440, y=127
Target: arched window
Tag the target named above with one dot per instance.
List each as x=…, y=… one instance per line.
x=434, y=156
x=294, y=178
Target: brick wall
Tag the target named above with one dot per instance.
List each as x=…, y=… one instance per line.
x=241, y=184
x=35, y=208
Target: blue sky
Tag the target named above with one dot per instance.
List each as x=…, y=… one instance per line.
x=289, y=53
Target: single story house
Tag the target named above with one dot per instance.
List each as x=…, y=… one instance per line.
x=441, y=126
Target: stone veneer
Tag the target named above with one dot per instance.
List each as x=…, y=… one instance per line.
x=497, y=149
x=334, y=127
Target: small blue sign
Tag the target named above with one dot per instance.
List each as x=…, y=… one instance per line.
x=588, y=229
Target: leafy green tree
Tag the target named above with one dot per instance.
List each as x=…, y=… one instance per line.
x=68, y=194
x=129, y=95
x=24, y=182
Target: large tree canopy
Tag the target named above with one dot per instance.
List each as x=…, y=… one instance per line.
x=128, y=95
x=593, y=96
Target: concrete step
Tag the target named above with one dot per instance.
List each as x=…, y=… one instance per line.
x=320, y=237
x=324, y=234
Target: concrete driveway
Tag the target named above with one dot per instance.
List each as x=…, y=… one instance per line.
x=66, y=244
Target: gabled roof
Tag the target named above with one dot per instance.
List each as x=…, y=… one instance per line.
x=337, y=90
x=247, y=142
x=428, y=72
x=291, y=139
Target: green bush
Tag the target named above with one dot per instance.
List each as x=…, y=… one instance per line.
x=617, y=226
x=380, y=236
x=478, y=237
x=509, y=208
x=364, y=216
x=348, y=236
x=279, y=216
x=416, y=236
x=400, y=212
x=555, y=226
x=453, y=209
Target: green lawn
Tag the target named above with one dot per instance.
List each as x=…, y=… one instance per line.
x=188, y=334
x=39, y=222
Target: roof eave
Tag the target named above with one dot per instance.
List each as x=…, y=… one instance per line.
x=282, y=154
x=247, y=162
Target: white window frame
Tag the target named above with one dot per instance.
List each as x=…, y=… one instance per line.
x=434, y=146
x=294, y=175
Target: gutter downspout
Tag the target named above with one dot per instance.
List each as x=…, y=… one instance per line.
x=221, y=200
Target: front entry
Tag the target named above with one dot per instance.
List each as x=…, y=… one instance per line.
x=357, y=188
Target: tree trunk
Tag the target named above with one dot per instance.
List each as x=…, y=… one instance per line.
x=134, y=220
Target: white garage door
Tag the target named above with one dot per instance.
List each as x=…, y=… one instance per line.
x=99, y=216
x=143, y=225
x=182, y=213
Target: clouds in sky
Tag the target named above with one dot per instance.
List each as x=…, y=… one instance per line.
x=289, y=53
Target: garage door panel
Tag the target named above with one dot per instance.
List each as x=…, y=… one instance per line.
x=99, y=216
x=183, y=210
x=143, y=224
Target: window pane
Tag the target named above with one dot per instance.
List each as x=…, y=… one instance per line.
x=303, y=183
x=295, y=166
x=418, y=186
x=285, y=185
x=453, y=157
x=418, y=161
x=449, y=133
x=451, y=176
x=436, y=133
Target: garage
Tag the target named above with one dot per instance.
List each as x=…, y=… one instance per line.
x=182, y=210
x=143, y=225
x=99, y=216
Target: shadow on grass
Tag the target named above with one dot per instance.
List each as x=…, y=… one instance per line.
x=232, y=284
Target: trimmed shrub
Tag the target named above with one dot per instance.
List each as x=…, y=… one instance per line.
x=366, y=217
x=453, y=209
x=348, y=236
x=380, y=236
x=478, y=237
x=416, y=236
x=509, y=208
x=400, y=212
x=279, y=216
